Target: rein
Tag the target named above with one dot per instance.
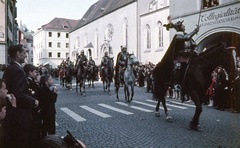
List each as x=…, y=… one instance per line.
x=206, y=60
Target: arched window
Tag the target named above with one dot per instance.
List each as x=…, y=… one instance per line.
x=160, y=34
x=148, y=37
x=109, y=33
x=77, y=43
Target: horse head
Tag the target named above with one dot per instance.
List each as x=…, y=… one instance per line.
x=132, y=59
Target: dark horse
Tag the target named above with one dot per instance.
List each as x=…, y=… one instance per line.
x=69, y=72
x=128, y=78
x=81, y=76
x=91, y=75
x=197, y=78
x=107, y=75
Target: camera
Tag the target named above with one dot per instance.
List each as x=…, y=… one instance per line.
x=71, y=141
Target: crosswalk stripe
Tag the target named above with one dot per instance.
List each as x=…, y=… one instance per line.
x=73, y=115
x=101, y=114
x=189, y=105
x=135, y=107
x=181, y=107
x=176, y=102
x=150, y=105
x=115, y=109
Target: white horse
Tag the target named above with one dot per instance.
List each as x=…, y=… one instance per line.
x=129, y=78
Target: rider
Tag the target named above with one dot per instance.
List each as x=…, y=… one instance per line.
x=82, y=59
x=68, y=62
x=121, y=62
x=91, y=62
x=183, y=48
x=104, y=62
x=91, y=66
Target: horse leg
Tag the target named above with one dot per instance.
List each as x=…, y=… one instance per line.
x=80, y=87
x=132, y=92
x=194, y=124
x=128, y=94
x=104, y=86
x=77, y=84
x=83, y=86
x=109, y=83
x=157, y=112
x=93, y=83
x=116, y=89
x=168, y=117
x=125, y=93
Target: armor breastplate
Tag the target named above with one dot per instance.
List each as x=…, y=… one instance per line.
x=187, y=46
x=124, y=57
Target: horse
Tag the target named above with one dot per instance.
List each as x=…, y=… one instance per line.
x=81, y=76
x=107, y=75
x=91, y=75
x=69, y=72
x=61, y=73
x=128, y=78
x=196, y=80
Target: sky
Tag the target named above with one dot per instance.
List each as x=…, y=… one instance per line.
x=35, y=13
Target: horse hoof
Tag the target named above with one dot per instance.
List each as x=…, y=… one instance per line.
x=195, y=127
x=157, y=114
x=168, y=117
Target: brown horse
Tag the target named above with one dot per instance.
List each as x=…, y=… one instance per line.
x=81, y=77
x=107, y=75
x=197, y=78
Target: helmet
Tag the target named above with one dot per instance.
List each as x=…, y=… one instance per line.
x=177, y=26
x=124, y=48
x=106, y=53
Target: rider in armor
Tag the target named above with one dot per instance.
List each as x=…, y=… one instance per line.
x=68, y=62
x=104, y=62
x=104, y=59
x=82, y=59
x=91, y=62
x=121, y=61
x=183, y=48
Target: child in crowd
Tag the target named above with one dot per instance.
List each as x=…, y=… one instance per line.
x=34, y=91
x=5, y=100
x=48, y=99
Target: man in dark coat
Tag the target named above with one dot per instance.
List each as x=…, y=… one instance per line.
x=17, y=84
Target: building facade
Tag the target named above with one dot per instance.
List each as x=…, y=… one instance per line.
x=107, y=25
x=138, y=26
x=8, y=28
x=51, y=42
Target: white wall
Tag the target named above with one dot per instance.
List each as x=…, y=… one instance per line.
x=115, y=18
x=154, y=54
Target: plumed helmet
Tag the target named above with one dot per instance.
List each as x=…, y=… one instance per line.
x=177, y=25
